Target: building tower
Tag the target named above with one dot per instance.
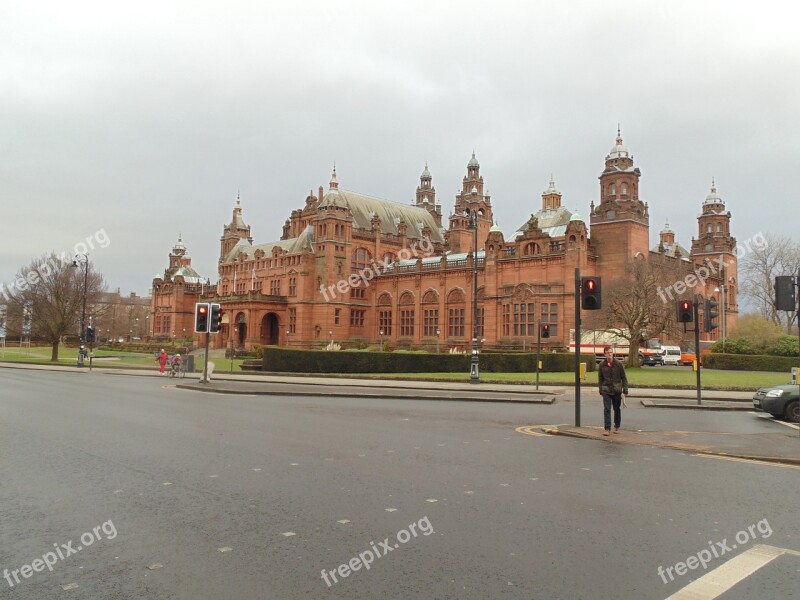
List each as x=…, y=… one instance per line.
x=234, y=231
x=426, y=196
x=715, y=249
x=470, y=199
x=620, y=224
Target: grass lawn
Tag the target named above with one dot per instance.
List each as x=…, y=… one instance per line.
x=104, y=358
x=646, y=377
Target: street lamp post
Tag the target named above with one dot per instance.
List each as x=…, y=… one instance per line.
x=721, y=289
x=474, y=371
x=381, y=334
x=438, y=337
x=287, y=337
x=75, y=262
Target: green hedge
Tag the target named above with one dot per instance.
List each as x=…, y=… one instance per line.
x=282, y=360
x=749, y=362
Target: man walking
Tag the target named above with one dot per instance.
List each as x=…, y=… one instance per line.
x=613, y=383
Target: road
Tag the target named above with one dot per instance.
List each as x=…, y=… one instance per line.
x=180, y=494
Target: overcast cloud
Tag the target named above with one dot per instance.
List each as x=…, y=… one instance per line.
x=145, y=119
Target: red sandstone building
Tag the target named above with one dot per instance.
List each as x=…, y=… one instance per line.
x=358, y=270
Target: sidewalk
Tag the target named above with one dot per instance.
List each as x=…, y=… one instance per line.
x=776, y=447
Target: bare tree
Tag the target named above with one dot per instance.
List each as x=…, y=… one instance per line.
x=759, y=267
x=52, y=293
x=634, y=310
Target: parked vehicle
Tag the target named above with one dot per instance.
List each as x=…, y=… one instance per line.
x=651, y=359
x=671, y=355
x=781, y=401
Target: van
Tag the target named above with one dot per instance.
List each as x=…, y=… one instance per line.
x=672, y=355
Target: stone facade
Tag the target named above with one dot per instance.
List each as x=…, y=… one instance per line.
x=360, y=270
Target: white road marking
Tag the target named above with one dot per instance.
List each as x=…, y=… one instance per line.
x=224, y=549
x=769, y=417
x=431, y=500
x=70, y=586
x=344, y=521
x=288, y=533
x=715, y=583
x=391, y=510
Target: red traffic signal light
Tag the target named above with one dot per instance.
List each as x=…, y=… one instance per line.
x=545, y=330
x=591, y=298
x=685, y=311
x=201, y=318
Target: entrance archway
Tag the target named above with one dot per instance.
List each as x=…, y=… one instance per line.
x=270, y=329
x=241, y=330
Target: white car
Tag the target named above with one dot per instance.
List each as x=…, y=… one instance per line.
x=671, y=355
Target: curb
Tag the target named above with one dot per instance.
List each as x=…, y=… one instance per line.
x=769, y=459
x=651, y=404
x=378, y=394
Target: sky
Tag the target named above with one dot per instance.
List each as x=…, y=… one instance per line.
x=144, y=120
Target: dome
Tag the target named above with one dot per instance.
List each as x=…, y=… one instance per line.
x=551, y=189
x=619, y=150
x=713, y=197
x=495, y=228
x=575, y=217
x=473, y=162
x=426, y=173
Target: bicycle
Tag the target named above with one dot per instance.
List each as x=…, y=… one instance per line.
x=177, y=370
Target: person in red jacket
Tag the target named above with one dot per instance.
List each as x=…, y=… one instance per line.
x=613, y=383
x=162, y=360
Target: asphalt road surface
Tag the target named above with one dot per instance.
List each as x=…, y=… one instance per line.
x=125, y=487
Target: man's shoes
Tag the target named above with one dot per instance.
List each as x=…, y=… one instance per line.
x=607, y=432
x=616, y=429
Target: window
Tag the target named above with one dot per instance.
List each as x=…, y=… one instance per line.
x=385, y=321
x=407, y=314
x=357, y=317
x=455, y=322
x=337, y=314
x=275, y=287
x=407, y=322
x=506, y=319
x=292, y=286
x=550, y=315
x=480, y=322
x=361, y=258
x=613, y=190
x=624, y=189
x=430, y=321
x=524, y=315
x=292, y=320
x=358, y=293
x=456, y=313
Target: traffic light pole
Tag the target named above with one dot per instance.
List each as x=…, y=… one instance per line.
x=696, y=304
x=205, y=367
x=577, y=347
x=538, y=352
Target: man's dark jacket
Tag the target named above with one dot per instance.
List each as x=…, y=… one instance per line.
x=612, y=378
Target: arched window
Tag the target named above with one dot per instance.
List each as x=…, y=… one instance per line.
x=385, y=314
x=708, y=228
x=456, y=313
x=407, y=314
x=719, y=227
x=613, y=189
x=624, y=189
x=531, y=249
x=430, y=313
x=361, y=258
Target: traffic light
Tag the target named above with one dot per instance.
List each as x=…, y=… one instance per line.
x=685, y=311
x=201, y=317
x=545, y=330
x=90, y=335
x=784, y=293
x=591, y=298
x=710, y=315
x=216, y=318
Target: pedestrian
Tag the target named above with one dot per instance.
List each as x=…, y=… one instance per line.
x=613, y=383
x=162, y=360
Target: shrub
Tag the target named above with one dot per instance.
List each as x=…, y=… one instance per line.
x=787, y=345
x=314, y=361
x=751, y=362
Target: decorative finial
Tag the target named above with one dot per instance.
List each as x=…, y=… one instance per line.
x=238, y=198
